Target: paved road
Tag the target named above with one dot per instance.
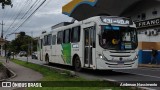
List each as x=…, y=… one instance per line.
x=31, y=60
x=140, y=74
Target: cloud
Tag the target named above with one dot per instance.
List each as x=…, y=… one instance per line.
x=48, y=15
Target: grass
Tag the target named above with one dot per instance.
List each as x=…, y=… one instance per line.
x=51, y=75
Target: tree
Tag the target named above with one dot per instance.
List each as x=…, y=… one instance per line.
x=22, y=43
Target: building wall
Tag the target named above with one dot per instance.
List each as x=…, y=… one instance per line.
x=147, y=7
x=145, y=10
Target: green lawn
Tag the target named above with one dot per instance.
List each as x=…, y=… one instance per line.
x=51, y=75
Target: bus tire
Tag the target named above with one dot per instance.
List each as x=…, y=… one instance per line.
x=77, y=64
x=47, y=59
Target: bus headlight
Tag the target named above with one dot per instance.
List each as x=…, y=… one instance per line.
x=102, y=57
x=136, y=57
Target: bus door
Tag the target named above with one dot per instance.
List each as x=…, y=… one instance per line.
x=41, y=49
x=89, y=45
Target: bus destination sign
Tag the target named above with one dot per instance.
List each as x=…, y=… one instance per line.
x=122, y=21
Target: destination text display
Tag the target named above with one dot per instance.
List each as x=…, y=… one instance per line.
x=121, y=21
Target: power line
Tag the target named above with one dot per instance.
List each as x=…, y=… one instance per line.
x=30, y=10
x=17, y=7
x=25, y=15
x=30, y=15
x=16, y=16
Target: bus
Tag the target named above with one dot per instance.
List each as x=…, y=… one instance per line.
x=100, y=42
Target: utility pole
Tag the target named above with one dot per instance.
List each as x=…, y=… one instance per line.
x=31, y=42
x=2, y=29
x=2, y=36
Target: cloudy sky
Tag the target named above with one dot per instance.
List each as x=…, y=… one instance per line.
x=48, y=15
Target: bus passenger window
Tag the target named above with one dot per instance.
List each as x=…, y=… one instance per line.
x=53, y=39
x=45, y=40
x=75, y=35
x=49, y=38
x=66, y=36
x=60, y=37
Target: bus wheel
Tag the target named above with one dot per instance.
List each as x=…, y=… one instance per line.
x=77, y=64
x=47, y=59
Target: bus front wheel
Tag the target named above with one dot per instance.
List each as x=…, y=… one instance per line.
x=77, y=64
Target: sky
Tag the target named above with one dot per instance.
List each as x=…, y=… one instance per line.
x=49, y=14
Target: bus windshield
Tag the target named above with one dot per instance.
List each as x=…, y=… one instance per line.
x=118, y=38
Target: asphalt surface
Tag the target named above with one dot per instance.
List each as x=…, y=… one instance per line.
x=140, y=74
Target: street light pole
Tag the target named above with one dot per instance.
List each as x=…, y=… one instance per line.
x=2, y=29
x=2, y=34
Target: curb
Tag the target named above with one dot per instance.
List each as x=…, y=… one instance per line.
x=72, y=73
x=149, y=66
x=13, y=74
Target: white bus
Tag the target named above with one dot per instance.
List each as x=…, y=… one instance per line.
x=100, y=42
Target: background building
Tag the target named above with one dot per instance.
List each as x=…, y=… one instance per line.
x=146, y=15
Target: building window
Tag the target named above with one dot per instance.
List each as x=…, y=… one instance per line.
x=75, y=34
x=138, y=16
x=143, y=17
x=60, y=37
x=66, y=36
x=53, y=39
x=154, y=12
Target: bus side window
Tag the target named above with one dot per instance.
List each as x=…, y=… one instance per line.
x=41, y=42
x=75, y=34
x=53, y=39
x=49, y=39
x=45, y=40
x=60, y=37
x=66, y=38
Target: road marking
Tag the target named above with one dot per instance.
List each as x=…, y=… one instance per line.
x=140, y=74
x=147, y=75
x=110, y=80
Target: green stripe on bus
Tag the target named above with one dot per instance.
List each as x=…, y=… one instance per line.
x=66, y=53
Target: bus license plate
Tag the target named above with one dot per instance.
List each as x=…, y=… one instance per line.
x=120, y=63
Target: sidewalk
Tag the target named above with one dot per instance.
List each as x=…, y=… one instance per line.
x=22, y=73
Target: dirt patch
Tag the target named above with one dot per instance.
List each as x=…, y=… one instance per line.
x=4, y=72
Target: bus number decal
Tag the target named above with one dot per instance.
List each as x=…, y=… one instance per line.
x=75, y=46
